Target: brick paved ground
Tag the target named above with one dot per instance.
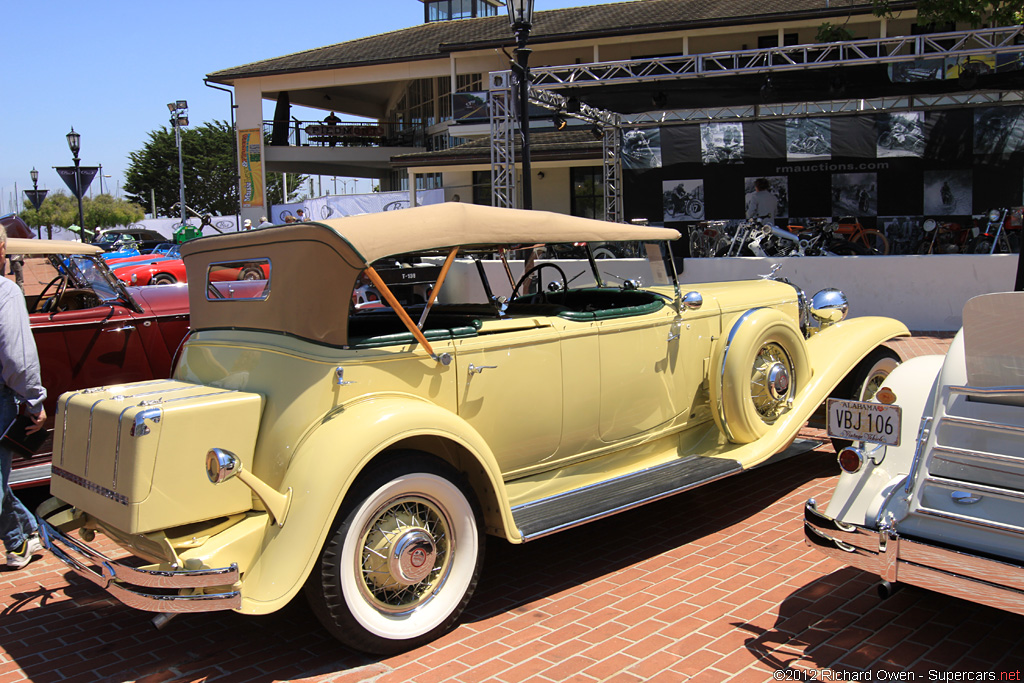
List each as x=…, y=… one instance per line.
x=712, y=585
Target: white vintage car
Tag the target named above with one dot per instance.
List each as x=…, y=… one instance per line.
x=310, y=443
x=942, y=506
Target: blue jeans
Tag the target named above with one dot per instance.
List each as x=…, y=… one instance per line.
x=16, y=522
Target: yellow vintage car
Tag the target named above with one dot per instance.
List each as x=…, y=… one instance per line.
x=358, y=450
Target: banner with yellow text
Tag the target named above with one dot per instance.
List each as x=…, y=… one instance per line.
x=250, y=168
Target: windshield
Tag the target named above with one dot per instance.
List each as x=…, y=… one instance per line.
x=89, y=272
x=642, y=263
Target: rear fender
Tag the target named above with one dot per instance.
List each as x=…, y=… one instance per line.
x=858, y=496
x=326, y=464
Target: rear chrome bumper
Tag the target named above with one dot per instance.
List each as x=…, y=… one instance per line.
x=129, y=585
x=996, y=583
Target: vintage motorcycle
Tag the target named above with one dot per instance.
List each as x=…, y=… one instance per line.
x=1001, y=236
x=944, y=238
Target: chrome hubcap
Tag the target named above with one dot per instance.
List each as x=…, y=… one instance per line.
x=778, y=381
x=771, y=382
x=412, y=557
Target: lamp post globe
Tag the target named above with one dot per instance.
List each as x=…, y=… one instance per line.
x=75, y=144
x=520, y=16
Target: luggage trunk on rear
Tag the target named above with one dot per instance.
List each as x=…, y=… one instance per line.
x=134, y=455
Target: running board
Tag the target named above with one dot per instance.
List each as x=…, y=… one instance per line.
x=539, y=518
x=572, y=508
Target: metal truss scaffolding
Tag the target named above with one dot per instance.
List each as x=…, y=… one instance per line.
x=503, y=162
x=545, y=81
x=956, y=44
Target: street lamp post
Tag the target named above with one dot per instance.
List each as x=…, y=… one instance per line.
x=35, y=193
x=75, y=144
x=179, y=118
x=520, y=15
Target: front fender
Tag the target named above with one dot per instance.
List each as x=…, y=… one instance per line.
x=836, y=350
x=322, y=471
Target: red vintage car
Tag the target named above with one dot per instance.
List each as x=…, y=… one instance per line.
x=91, y=330
x=172, y=270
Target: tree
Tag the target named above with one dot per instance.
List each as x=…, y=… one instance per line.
x=61, y=209
x=973, y=12
x=210, y=170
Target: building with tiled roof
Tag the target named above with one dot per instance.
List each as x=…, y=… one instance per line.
x=413, y=103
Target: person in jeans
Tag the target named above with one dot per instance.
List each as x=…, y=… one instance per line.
x=20, y=387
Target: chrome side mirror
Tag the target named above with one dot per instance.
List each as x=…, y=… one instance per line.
x=692, y=301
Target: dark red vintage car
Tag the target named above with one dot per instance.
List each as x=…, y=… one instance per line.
x=91, y=330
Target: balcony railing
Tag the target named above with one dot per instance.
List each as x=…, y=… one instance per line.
x=343, y=134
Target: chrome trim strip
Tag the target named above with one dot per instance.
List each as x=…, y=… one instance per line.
x=997, y=583
x=88, y=438
x=721, y=375
x=923, y=432
x=120, y=580
x=987, y=391
x=982, y=424
x=90, y=486
x=969, y=486
x=218, y=392
x=973, y=521
x=609, y=513
x=63, y=440
x=951, y=454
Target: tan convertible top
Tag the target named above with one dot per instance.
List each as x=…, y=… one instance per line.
x=16, y=245
x=439, y=226
x=315, y=265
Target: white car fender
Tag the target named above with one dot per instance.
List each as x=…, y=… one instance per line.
x=859, y=496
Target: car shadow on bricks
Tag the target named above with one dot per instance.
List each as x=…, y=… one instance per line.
x=673, y=530
x=838, y=622
x=63, y=632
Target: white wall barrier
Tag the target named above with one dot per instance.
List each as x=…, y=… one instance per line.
x=926, y=293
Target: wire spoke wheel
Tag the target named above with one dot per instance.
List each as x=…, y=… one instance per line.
x=406, y=552
x=770, y=382
x=403, y=558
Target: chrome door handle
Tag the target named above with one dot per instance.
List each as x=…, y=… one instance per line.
x=476, y=369
x=123, y=328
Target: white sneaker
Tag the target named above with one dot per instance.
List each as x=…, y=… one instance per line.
x=23, y=555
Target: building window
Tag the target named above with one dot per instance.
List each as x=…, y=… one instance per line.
x=445, y=10
x=764, y=42
x=482, y=188
x=587, y=192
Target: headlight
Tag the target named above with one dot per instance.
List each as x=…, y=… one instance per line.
x=135, y=278
x=994, y=215
x=929, y=225
x=829, y=306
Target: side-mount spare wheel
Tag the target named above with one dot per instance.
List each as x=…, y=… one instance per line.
x=757, y=374
x=402, y=559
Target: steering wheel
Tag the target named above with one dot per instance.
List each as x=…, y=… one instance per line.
x=50, y=305
x=541, y=295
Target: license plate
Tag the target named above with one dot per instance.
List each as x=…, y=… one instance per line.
x=862, y=421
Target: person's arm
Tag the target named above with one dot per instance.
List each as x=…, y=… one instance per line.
x=19, y=361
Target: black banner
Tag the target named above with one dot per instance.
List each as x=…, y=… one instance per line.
x=36, y=197
x=68, y=174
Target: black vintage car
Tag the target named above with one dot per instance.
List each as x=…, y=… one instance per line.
x=112, y=239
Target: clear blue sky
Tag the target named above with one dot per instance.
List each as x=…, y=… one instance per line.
x=110, y=68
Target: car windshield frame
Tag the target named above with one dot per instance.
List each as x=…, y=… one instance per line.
x=89, y=272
